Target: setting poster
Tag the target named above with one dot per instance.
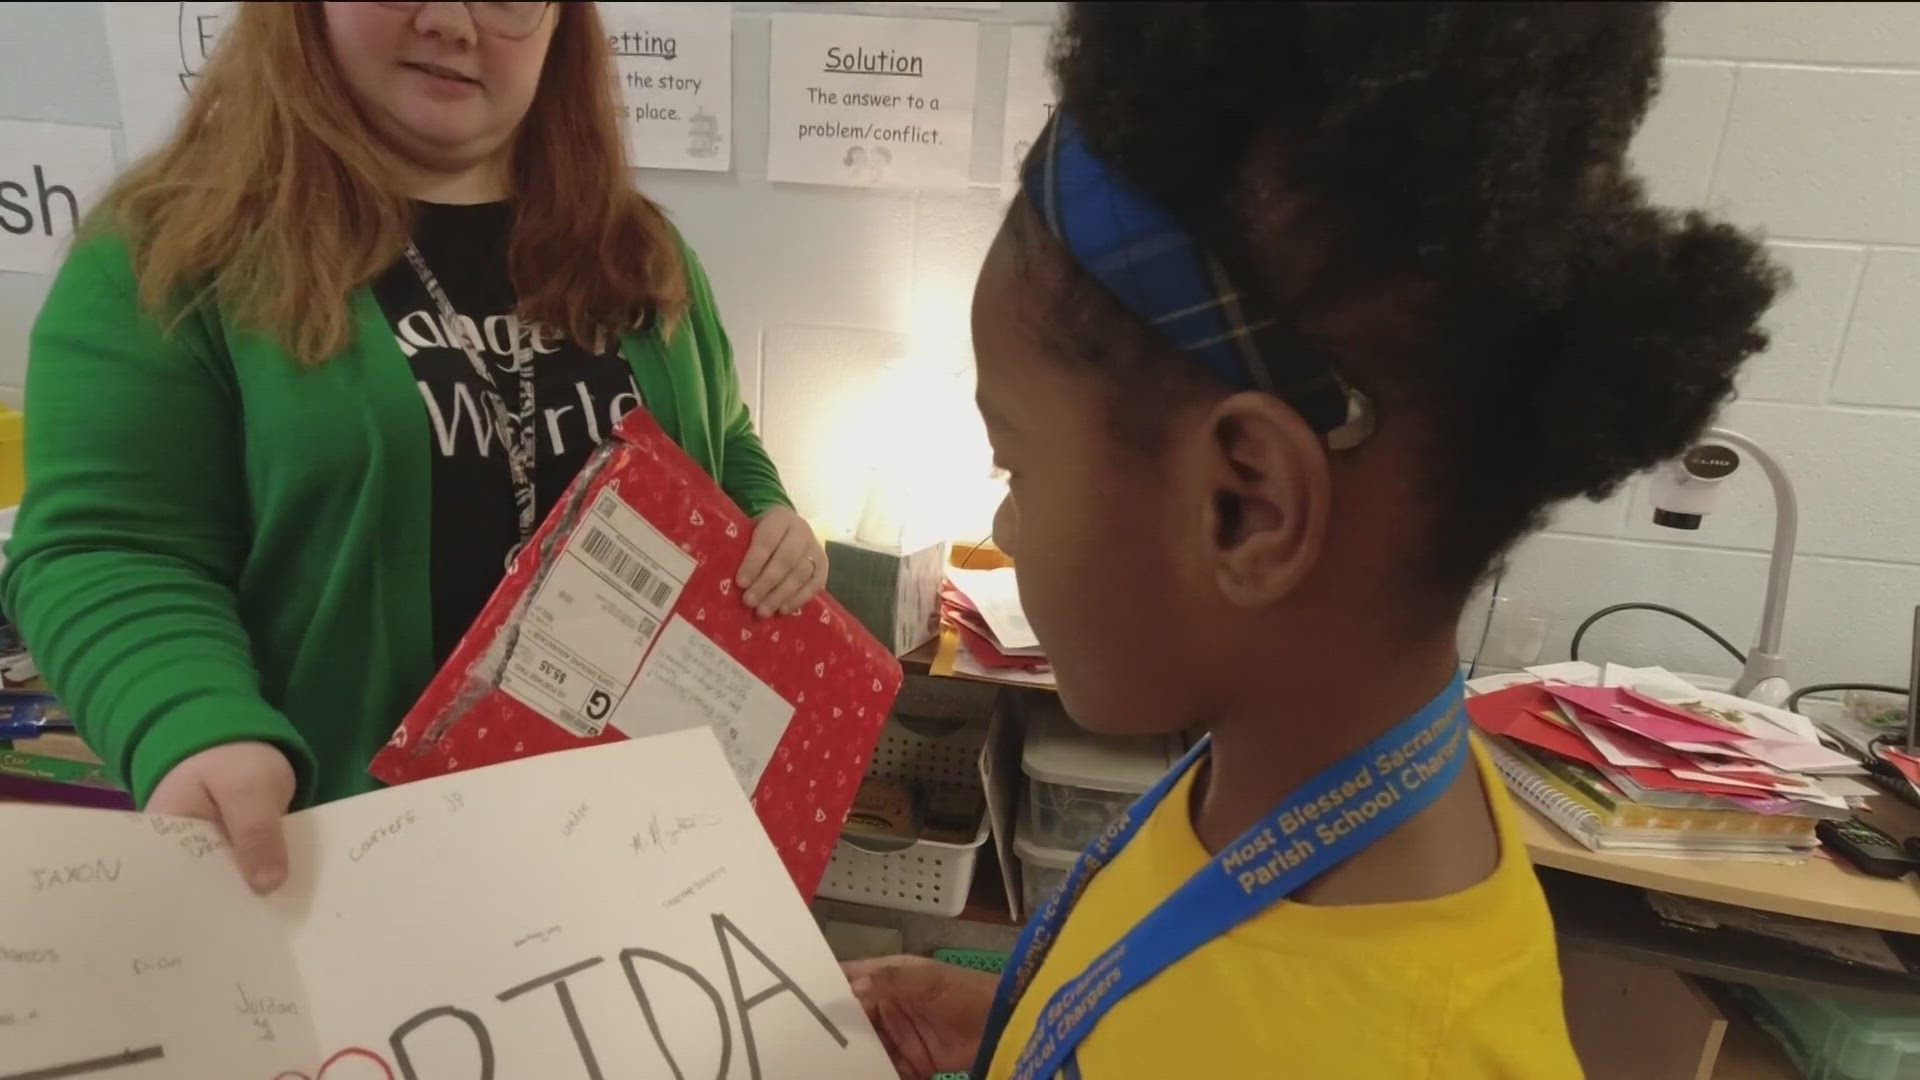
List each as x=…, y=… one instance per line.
x=675, y=79
x=871, y=102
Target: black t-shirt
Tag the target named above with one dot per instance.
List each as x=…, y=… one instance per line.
x=578, y=396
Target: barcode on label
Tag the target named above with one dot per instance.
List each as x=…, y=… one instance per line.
x=616, y=560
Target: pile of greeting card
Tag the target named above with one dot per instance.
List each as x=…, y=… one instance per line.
x=1638, y=761
x=985, y=633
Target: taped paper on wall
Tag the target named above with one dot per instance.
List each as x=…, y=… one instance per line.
x=867, y=102
x=1030, y=98
x=675, y=77
x=50, y=176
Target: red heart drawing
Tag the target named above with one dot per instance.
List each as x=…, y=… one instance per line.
x=386, y=1071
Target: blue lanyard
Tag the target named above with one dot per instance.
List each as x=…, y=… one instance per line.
x=1329, y=819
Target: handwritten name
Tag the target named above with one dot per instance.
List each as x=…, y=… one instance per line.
x=659, y=835
x=196, y=838
x=143, y=966
x=262, y=1010
x=540, y=936
x=11, y=955
x=574, y=819
x=97, y=872
x=385, y=832
x=687, y=893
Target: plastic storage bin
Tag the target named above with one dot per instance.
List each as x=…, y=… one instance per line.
x=1077, y=782
x=932, y=877
x=1043, y=869
x=1835, y=1040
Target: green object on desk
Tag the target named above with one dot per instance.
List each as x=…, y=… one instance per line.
x=978, y=960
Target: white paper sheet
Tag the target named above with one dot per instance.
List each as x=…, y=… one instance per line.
x=158, y=51
x=618, y=904
x=1798, y=757
x=676, y=82
x=867, y=102
x=997, y=594
x=689, y=681
x=1030, y=98
x=50, y=175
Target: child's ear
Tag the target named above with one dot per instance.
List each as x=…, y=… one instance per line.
x=1265, y=519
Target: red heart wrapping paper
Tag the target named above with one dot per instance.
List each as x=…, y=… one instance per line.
x=616, y=616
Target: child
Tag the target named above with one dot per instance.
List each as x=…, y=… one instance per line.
x=1304, y=315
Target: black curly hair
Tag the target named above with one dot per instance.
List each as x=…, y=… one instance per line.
x=1437, y=195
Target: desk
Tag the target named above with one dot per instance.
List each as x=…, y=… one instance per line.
x=1816, y=889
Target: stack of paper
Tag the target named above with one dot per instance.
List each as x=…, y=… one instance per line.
x=1639, y=760
x=981, y=610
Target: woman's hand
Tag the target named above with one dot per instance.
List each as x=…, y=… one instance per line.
x=931, y=1016
x=785, y=564
x=243, y=787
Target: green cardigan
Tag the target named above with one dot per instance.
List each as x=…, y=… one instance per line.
x=218, y=544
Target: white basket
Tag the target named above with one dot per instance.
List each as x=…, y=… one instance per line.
x=931, y=877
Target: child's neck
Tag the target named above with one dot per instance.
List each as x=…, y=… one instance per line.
x=1289, y=734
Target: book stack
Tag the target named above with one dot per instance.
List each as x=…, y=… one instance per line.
x=980, y=610
x=41, y=759
x=1637, y=761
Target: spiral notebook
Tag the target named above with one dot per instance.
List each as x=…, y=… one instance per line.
x=1587, y=808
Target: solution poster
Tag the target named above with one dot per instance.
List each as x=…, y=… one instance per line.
x=1030, y=98
x=871, y=102
x=676, y=83
x=159, y=51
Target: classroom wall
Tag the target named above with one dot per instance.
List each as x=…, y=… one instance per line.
x=1803, y=119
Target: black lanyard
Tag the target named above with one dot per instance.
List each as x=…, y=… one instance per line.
x=516, y=426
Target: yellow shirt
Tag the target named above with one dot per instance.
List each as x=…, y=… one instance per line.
x=1465, y=987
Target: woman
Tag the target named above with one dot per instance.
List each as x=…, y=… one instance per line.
x=1296, y=342
x=321, y=365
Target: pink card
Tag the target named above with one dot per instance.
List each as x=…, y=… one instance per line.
x=1612, y=706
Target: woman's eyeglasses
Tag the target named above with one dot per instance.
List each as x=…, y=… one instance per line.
x=501, y=20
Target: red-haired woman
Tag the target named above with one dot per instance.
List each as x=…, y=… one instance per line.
x=320, y=364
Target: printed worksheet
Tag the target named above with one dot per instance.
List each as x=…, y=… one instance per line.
x=610, y=911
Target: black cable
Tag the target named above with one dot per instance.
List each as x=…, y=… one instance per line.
x=1573, y=650
x=1793, y=699
x=1486, y=628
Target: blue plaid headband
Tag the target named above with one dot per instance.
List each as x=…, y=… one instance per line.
x=1140, y=253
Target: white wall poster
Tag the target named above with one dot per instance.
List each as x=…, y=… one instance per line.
x=1030, y=98
x=676, y=83
x=159, y=50
x=50, y=175
x=870, y=102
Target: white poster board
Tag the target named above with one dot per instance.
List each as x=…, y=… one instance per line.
x=159, y=50
x=1030, y=98
x=610, y=911
x=676, y=83
x=869, y=102
x=50, y=175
